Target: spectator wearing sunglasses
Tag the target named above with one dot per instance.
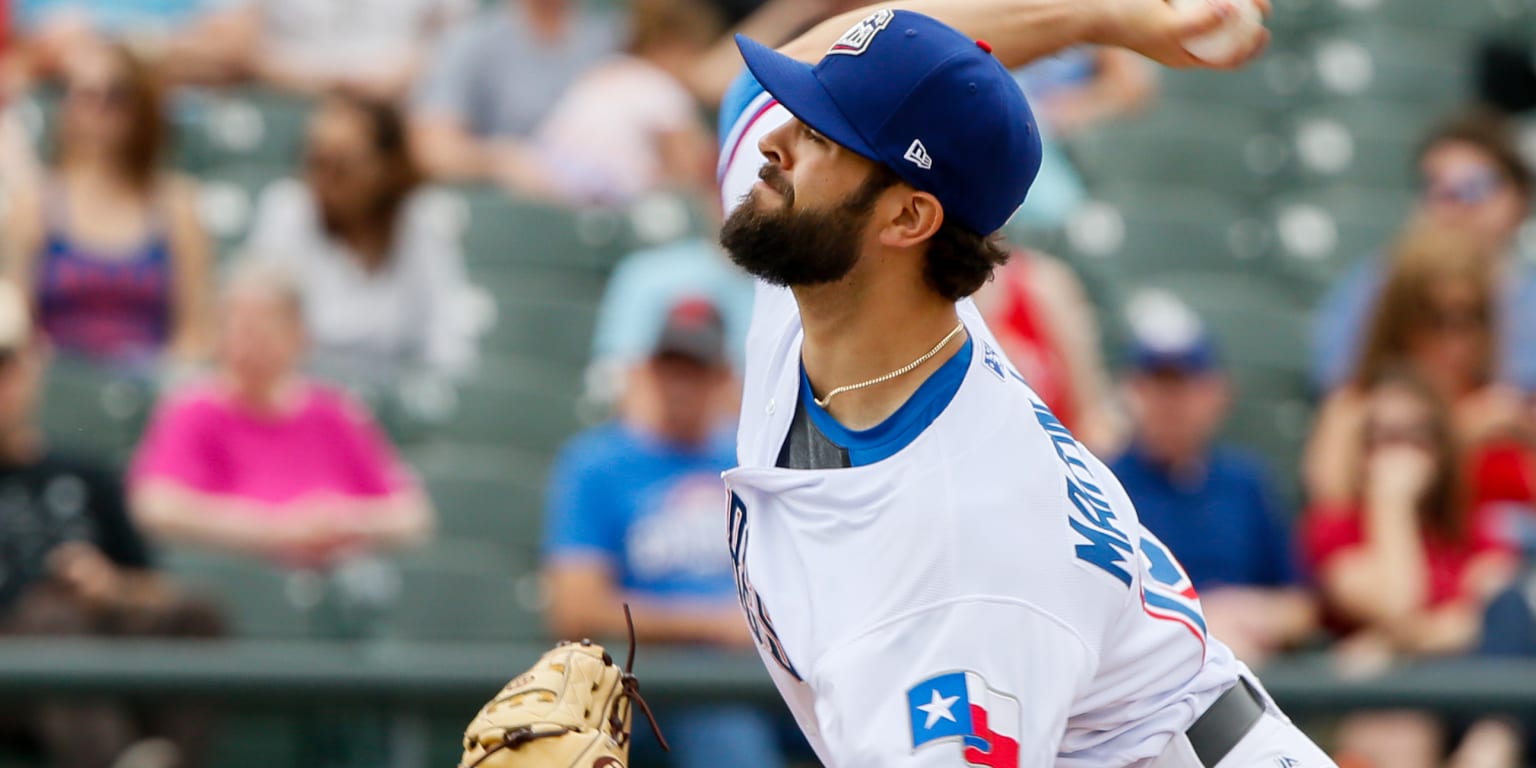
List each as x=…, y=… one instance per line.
x=1473, y=178
x=1406, y=562
x=1435, y=317
x=107, y=243
x=378, y=263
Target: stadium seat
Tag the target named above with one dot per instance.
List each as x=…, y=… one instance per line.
x=503, y=229
x=468, y=591
x=239, y=126
x=1364, y=142
x=93, y=409
x=484, y=491
x=527, y=402
x=507, y=281
x=555, y=331
x=1137, y=231
x=1231, y=148
x=1325, y=229
x=1266, y=87
x=1436, y=16
x=259, y=599
x=1430, y=70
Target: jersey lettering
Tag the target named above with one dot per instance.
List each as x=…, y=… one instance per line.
x=1106, y=547
x=758, y=621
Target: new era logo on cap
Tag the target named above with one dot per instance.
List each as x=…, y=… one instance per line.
x=917, y=154
x=858, y=37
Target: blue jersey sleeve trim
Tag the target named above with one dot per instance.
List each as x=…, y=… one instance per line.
x=887, y=438
x=744, y=89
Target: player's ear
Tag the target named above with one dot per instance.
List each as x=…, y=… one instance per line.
x=916, y=217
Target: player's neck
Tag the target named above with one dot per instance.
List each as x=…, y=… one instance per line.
x=858, y=330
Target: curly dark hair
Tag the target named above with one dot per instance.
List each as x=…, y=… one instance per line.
x=959, y=261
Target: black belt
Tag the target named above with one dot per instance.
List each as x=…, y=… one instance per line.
x=1225, y=722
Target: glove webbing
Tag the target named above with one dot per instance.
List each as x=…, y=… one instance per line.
x=631, y=687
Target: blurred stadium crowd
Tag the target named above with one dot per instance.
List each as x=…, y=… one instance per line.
x=403, y=319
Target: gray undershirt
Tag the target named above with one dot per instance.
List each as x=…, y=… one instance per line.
x=805, y=447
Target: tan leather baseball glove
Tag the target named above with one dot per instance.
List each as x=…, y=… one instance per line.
x=570, y=710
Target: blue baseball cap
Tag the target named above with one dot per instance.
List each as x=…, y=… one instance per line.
x=1191, y=357
x=917, y=96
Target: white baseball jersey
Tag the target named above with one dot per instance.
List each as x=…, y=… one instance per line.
x=982, y=594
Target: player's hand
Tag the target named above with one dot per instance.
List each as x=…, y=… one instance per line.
x=1155, y=30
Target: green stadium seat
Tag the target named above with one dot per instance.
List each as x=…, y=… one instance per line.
x=1428, y=69
x=1268, y=86
x=259, y=599
x=554, y=331
x=240, y=126
x=1325, y=229
x=88, y=407
x=484, y=491
x=1233, y=149
x=1137, y=231
x=465, y=590
x=1364, y=142
x=503, y=229
x=1467, y=17
x=1299, y=18
x=524, y=402
x=514, y=282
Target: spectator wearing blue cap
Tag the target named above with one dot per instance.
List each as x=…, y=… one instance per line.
x=1212, y=504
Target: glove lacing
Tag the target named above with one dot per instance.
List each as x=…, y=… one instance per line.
x=628, y=683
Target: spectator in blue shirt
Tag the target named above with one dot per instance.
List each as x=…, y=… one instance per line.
x=1212, y=504
x=1474, y=178
x=636, y=514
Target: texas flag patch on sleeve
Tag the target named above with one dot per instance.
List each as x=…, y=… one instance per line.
x=958, y=706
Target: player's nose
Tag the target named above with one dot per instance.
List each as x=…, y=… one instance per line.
x=775, y=145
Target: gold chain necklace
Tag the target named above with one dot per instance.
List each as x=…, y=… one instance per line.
x=905, y=369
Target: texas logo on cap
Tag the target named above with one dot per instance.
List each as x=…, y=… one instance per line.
x=960, y=706
x=858, y=37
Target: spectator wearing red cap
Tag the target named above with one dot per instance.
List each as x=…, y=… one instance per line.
x=634, y=515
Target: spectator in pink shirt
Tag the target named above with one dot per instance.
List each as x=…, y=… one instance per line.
x=259, y=460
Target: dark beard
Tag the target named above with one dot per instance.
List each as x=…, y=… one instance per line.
x=789, y=246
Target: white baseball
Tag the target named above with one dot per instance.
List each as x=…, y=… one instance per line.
x=1232, y=36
